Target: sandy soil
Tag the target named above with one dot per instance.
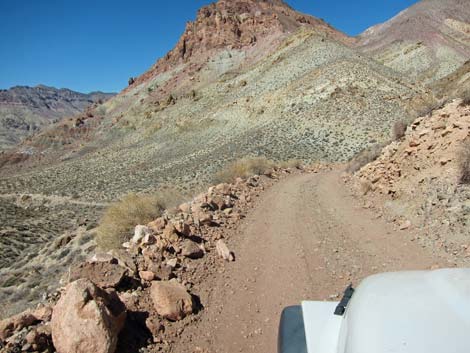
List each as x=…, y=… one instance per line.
x=307, y=238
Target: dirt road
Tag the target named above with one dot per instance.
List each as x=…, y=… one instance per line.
x=307, y=238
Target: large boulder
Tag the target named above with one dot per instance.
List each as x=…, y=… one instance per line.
x=103, y=274
x=171, y=299
x=87, y=319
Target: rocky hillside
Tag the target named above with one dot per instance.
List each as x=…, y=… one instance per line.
x=417, y=181
x=302, y=92
x=247, y=78
x=426, y=41
x=454, y=85
x=246, y=29
x=24, y=110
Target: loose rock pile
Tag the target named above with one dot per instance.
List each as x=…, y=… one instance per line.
x=143, y=295
x=415, y=181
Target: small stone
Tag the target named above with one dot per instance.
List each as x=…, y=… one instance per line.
x=223, y=251
x=147, y=275
x=140, y=232
x=191, y=249
x=171, y=300
x=405, y=225
x=157, y=225
x=172, y=262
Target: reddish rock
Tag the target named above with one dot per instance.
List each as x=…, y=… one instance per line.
x=154, y=325
x=103, y=274
x=182, y=228
x=191, y=249
x=147, y=275
x=223, y=251
x=185, y=207
x=87, y=319
x=170, y=233
x=157, y=225
x=43, y=313
x=15, y=323
x=171, y=300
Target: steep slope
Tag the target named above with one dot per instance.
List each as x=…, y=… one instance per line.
x=24, y=110
x=416, y=181
x=454, y=85
x=246, y=30
x=313, y=98
x=299, y=91
x=426, y=41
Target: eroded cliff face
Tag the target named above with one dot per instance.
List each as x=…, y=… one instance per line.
x=239, y=24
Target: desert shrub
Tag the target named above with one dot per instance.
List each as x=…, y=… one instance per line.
x=291, y=163
x=464, y=163
x=121, y=217
x=399, y=130
x=243, y=168
x=465, y=99
x=364, y=157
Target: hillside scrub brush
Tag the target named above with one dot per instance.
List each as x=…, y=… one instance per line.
x=364, y=157
x=121, y=217
x=399, y=130
x=244, y=168
x=464, y=163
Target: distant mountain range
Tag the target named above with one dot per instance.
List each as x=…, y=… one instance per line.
x=427, y=41
x=24, y=109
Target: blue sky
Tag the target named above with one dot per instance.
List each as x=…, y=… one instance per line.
x=88, y=45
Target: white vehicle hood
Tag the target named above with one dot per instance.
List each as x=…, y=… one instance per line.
x=402, y=312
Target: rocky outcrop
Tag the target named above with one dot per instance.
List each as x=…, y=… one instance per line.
x=416, y=181
x=87, y=319
x=235, y=25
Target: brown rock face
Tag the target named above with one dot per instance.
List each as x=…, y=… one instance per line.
x=87, y=319
x=15, y=323
x=103, y=274
x=191, y=250
x=29, y=317
x=171, y=300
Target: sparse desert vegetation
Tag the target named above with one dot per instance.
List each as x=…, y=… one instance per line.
x=281, y=100
x=364, y=157
x=464, y=162
x=399, y=129
x=243, y=168
x=120, y=218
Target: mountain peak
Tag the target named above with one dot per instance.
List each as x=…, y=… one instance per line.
x=236, y=24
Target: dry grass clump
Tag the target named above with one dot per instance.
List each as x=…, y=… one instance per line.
x=291, y=163
x=465, y=99
x=464, y=163
x=399, y=130
x=364, y=157
x=244, y=168
x=121, y=217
